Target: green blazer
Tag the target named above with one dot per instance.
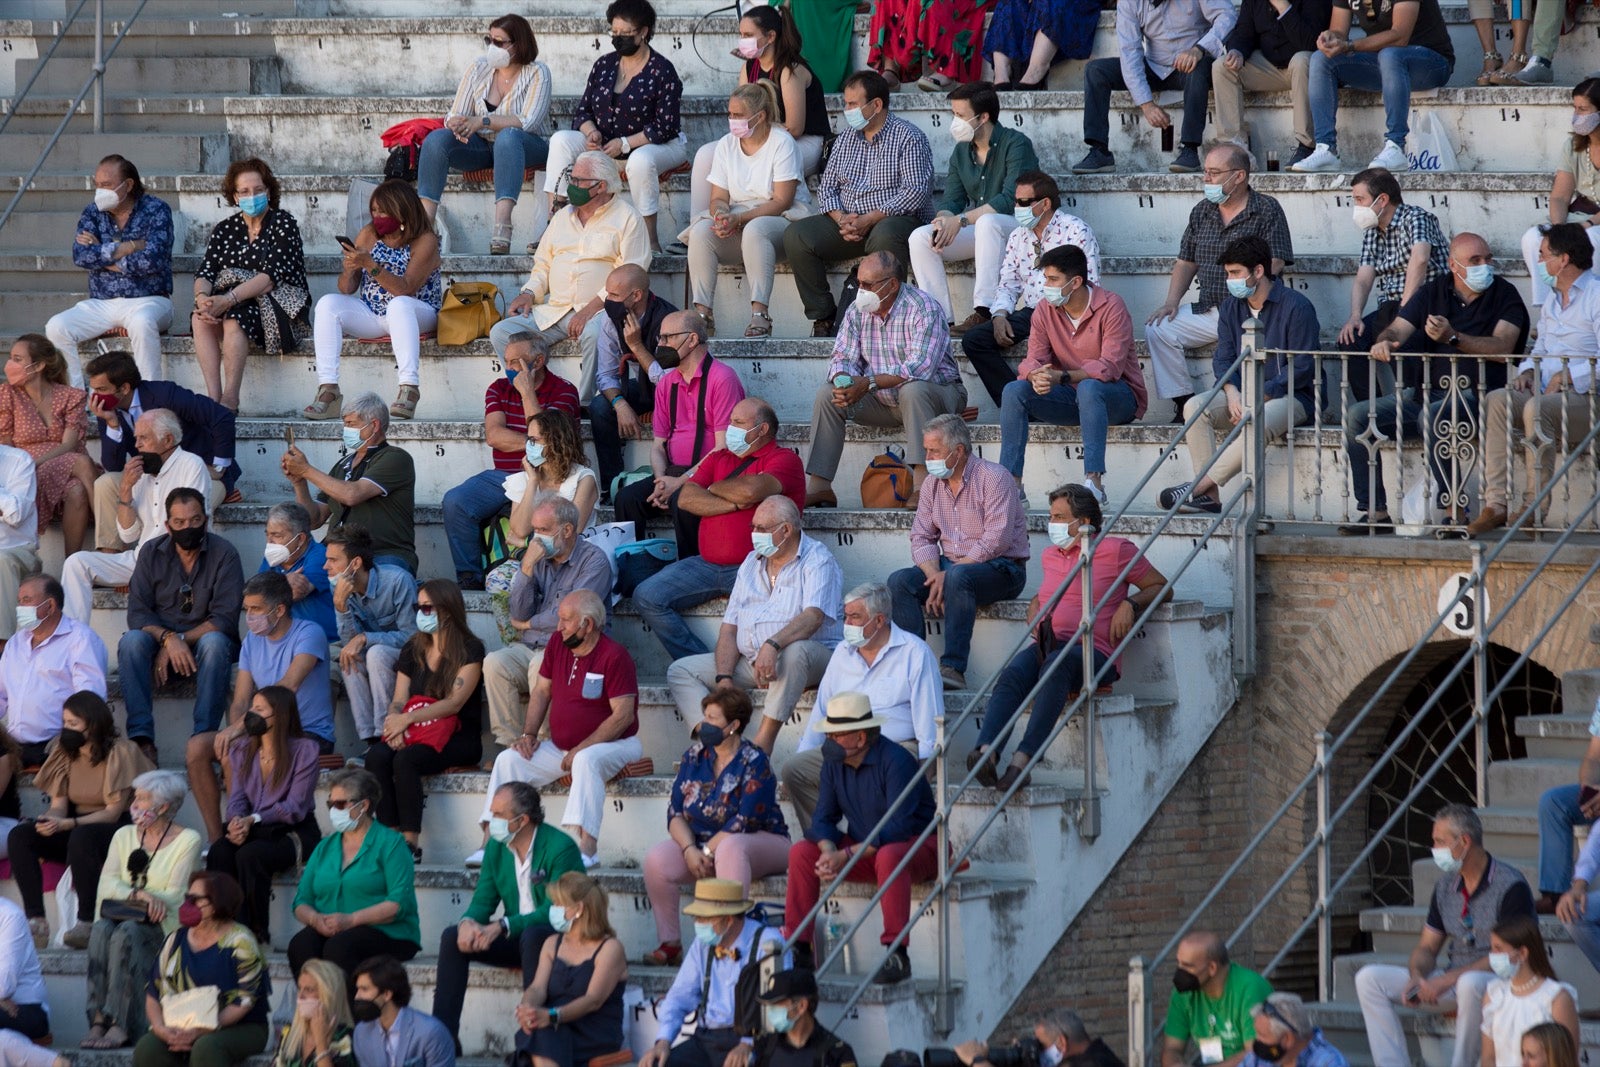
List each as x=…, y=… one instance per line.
x=554, y=853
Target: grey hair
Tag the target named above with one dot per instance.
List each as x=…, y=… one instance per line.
x=1464, y=819
x=695, y=323
x=951, y=429
x=1288, y=1015
x=1238, y=158
x=782, y=509
x=875, y=595
x=165, y=424
x=292, y=515
x=764, y=413
x=524, y=800
x=589, y=606
x=565, y=510
x=369, y=406
x=601, y=166
x=358, y=783
x=1066, y=1022
x=166, y=787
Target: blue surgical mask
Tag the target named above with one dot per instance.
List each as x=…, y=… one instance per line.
x=1052, y=1056
x=706, y=934
x=712, y=735
x=558, y=919
x=856, y=118
x=833, y=751
x=535, y=453
x=938, y=468
x=340, y=819
x=737, y=438
x=500, y=829
x=27, y=617
x=1055, y=295
x=1445, y=861
x=254, y=206
x=1061, y=534
x=511, y=374
x=1500, y=963
x=547, y=543
x=429, y=622
x=1239, y=287
x=1215, y=193
x=778, y=1020
x=352, y=437
x=1546, y=279
x=1024, y=215
x=763, y=544
x=1480, y=276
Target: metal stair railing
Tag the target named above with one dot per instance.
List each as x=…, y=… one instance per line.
x=1245, y=501
x=1141, y=1031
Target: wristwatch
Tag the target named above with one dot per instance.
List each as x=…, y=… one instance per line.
x=486, y=122
x=1454, y=339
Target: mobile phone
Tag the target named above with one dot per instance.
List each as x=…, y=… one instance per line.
x=1586, y=793
x=346, y=242
x=1413, y=995
x=288, y=436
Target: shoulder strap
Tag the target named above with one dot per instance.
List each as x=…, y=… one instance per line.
x=700, y=411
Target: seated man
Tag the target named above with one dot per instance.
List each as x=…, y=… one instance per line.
x=895, y=669
x=1269, y=51
x=1562, y=809
x=1063, y=1030
x=118, y=396
x=718, y=908
x=694, y=401
x=1405, y=48
x=374, y=484
x=292, y=552
x=976, y=214
x=19, y=531
x=892, y=365
x=1286, y=1037
x=1579, y=906
x=719, y=497
x=557, y=562
x=124, y=241
x=24, y=1001
x=279, y=649
x=1211, y=1005
x=856, y=794
x=1008, y=317
x=1290, y=323
x=1468, y=310
x=1546, y=407
x=875, y=190
x=527, y=388
x=1081, y=368
x=588, y=689
x=521, y=860
x=969, y=545
x=1476, y=894
x=375, y=607
x=52, y=657
x=778, y=632
x=1160, y=46
x=794, y=1035
x=399, y=1034
x=183, y=619
x=162, y=467
x=629, y=335
x=595, y=234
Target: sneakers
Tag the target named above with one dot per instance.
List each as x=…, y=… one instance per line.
x=1181, y=496
x=474, y=861
x=1208, y=504
x=1392, y=158
x=1173, y=495
x=1368, y=523
x=1301, y=151
x=1096, y=161
x=1187, y=161
x=1537, y=72
x=1322, y=158
x=1099, y=493
x=895, y=969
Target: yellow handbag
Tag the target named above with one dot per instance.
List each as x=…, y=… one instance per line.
x=468, y=312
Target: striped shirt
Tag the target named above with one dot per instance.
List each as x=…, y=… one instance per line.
x=902, y=685
x=983, y=521
x=912, y=341
x=1021, y=280
x=555, y=393
x=891, y=172
x=1388, y=251
x=528, y=100
x=759, y=608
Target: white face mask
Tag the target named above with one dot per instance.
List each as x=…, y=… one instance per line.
x=962, y=130
x=106, y=199
x=868, y=301
x=1061, y=534
x=497, y=57
x=278, y=555
x=855, y=636
x=27, y=617
x=1365, y=217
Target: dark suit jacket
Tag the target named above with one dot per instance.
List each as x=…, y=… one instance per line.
x=207, y=428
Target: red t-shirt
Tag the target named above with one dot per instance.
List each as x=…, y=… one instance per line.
x=1110, y=556
x=554, y=392
x=582, y=689
x=725, y=539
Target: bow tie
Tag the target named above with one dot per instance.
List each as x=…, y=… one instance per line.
x=725, y=953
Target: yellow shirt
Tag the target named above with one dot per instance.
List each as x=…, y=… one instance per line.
x=574, y=257
x=167, y=878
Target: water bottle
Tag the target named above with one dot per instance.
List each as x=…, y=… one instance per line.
x=833, y=936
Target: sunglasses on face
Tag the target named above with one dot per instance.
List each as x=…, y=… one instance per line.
x=426, y=609
x=196, y=898
x=497, y=42
x=341, y=805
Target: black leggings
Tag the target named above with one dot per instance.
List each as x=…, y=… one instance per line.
x=266, y=852
x=347, y=950
x=400, y=774
x=84, y=849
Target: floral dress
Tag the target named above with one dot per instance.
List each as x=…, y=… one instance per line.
x=923, y=37
x=276, y=321
x=22, y=426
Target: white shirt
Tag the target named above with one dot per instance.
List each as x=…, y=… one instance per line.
x=20, y=978
x=150, y=495
x=524, y=868
x=19, y=517
x=760, y=608
x=34, y=682
x=1570, y=329
x=902, y=685
x=749, y=178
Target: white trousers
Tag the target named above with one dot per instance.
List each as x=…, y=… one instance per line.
x=84, y=570
x=370, y=687
x=18, y=1051
x=810, y=147
x=757, y=248
x=1537, y=290
x=145, y=318
x=1169, y=341
x=643, y=166
x=984, y=242
x=15, y=565
x=339, y=316
x=591, y=770
x=1380, y=986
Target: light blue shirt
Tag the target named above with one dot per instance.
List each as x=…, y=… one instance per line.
x=759, y=608
x=385, y=613
x=20, y=977
x=902, y=685
x=1318, y=1053
x=1572, y=329
x=684, y=996
x=1154, y=36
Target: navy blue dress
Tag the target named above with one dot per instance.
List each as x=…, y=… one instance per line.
x=1070, y=24
x=577, y=1042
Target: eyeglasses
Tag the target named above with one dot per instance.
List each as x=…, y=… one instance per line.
x=1028, y=201
x=341, y=805
x=196, y=898
x=187, y=603
x=497, y=42
x=426, y=609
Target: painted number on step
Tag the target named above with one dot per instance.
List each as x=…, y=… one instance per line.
x=1069, y=201
x=755, y=366
x=1342, y=201
x=1439, y=200
x=455, y=900
x=1203, y=546
x=677, y=44
x=934, y=118
x=934, y=626
x=1074, y=451
x=616, y=805
x=1510, y=114
x=5, y=46
x=641, y=903
x=846, y=539
x=1541, y=203
x=1147, y=200
x=1297, y=283
x=1016, y=120
x=438, y=450
x=261, y=450
x=494, y=366
x=596, y=44
x=405, y=44
x=311, y=201
x=366, y=122
x=832, y=907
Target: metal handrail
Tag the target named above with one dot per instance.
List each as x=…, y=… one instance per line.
x=45, y=59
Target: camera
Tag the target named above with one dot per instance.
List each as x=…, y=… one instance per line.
x=1023, y=1052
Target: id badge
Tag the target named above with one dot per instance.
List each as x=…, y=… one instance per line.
x=594, y=685
x=1211, y=1050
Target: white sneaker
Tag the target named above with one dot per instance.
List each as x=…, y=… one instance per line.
x=476, y=859
x=1392, y=158
x=1322, y=159
x=589, y=862
x=1099, y=493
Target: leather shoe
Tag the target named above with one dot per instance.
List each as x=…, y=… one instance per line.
x=1490, y=517
x=913, y=500
x=821, y=498
x=978, y=317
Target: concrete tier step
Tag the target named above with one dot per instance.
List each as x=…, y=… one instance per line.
x=1430, y=1035
x=1556, y=736
x=1520, y=783
x=79, y=152
x=1580, y=691
x=1515, y=831
x=128, y=76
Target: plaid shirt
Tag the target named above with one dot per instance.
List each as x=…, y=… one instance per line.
x=1205, y=237
x=1388, y=251
x=983, y=521
x=891, y=173
x=912, y=341
x=1020, y=276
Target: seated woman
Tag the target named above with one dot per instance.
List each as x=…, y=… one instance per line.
x=1027, y=37
x=271, y=817
x=46, y=417
x=1525, y=991
x=210, y=950
x=10, y=796
x=390, y=285
x=251, y=286
x=148, y=867
x=500, y=118
x=1576, y=187
x=756, y=187
x=573, y=1010
x=88, y=780
x=357, y=895
x=319, y=1036
x=435, y=719
x=723, y=820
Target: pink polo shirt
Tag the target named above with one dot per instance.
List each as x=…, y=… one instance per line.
x=677, y=415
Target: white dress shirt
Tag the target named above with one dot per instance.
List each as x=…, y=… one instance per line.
x=19, y=517
x=20, y=978
x=150, y=495
x=1570, y=329
x=35, y=682
x=902, y=685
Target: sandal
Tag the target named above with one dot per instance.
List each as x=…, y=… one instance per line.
x=1506, y=75
x=39, y=928
x=667, y=954
x=1491, y=63
x=325, y=406
x=405, y=403
x=500, y=243
x=760, y=325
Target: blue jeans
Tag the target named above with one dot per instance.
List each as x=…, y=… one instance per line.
x=513, y=152
x=1394, y=411
x=466, y=508
x=1586, y=933
x=136, y=666
x=1394, y=72
x=685, y=584
x=1091, y=403
x=1558, y=814
x=1020, y=676
x=967, y=587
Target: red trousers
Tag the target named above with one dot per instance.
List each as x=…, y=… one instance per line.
x=805, y=887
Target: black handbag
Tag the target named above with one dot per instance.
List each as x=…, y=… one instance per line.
x=402, y=163
x=124, y=911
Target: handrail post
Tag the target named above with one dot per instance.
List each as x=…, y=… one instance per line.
x=99, y=66
x=943, y=1006
x=1324, y=871
x=1139, y=1017
x=1244, y=533
x=1480, y=671
x=1089, y=806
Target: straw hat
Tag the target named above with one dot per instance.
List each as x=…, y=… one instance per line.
x=848, y=712
x=715, y=897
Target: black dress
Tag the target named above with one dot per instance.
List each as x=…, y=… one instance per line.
x=276, y=321
x=577, y=1042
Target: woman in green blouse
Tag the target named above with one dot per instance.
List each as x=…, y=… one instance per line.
x=320, y=1033
x=357, y=895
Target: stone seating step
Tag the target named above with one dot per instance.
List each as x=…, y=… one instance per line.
x=1555, y=736
x=177, y=152
x=1520, y=783
x=1430, y=1036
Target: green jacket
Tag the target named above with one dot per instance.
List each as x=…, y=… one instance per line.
x=553, y=852
x=973, y=184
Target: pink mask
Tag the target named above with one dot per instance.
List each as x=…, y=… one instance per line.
x=739, y=127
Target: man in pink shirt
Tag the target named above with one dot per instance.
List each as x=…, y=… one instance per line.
x=1081, y=369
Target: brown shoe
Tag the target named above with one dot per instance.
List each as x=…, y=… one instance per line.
x=1490, y=517
x=821, y=498
x=823, y=328
x=1546, y=904
x=913, y=500
x=978, y=317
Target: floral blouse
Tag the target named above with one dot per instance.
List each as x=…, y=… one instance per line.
x=339, y=1047
x=743, y=799
x=652, y=101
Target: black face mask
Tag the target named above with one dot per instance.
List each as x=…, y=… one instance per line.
x=833, y=751
x=71, y=740
x=189, y=538
x=255, y=724
x=152, y=463
x=1266, y=1052
x=365, y=1011
x=668, y=356
x=625, y=45
x=573, y=640
x=1185, y=982
x=615, y=309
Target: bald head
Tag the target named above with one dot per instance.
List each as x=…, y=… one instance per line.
x=878, y=267
x=1469, y=256
x=627, y=285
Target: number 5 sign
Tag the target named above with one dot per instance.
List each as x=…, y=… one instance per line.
x=1460, y=618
